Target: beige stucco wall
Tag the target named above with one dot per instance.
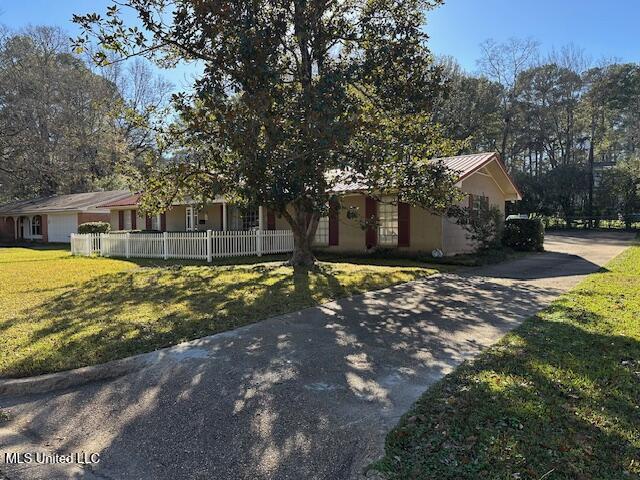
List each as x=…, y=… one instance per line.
x=425, y=231
x=454, y=236
x=351, y=235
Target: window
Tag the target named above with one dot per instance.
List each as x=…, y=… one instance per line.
x=387, y=223
x=192, y=219
x=36, y=226
x=322, y=232
x=479, y=202
x=155, y=222
x=127, y=219
x=250, y=220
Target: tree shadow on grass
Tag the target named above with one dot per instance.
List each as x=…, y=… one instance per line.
x=304, y=395
x=126, y=313
x=556, y=397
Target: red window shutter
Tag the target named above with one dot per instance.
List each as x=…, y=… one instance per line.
x=271, y=220
x=334, y=224
x=147, y=223
x=120, y=219
x=371, y=215
x=404, y=224
x=134, y=225
x=163, y=222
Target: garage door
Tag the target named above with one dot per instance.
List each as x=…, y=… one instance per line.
x=61, y=226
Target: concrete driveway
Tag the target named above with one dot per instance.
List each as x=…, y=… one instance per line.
x=305, y=395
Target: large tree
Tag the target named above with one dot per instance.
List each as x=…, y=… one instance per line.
x=296, y=95
x=57, y=134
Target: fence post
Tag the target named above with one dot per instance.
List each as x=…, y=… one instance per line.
x=259, y=242
x=102, y=235
x=165, y=245
x=209, y=253
x=126, y=245
x=87, y=244
x=72, y=244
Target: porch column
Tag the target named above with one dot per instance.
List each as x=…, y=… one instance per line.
x=224, y=216
x=260, y=220
x=15, y=229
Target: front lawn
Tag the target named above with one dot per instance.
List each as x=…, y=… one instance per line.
x=558, y=398
x=59, y=312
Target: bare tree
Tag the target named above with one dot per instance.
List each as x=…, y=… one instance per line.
x=502, y=63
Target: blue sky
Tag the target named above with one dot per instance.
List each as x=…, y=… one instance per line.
x=602, y=28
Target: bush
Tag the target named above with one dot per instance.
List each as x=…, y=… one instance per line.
x=484, y=226
x=94, y=227
x=524, y=234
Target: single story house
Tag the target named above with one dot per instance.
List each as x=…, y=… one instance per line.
x=482, y=177
x=54, y=219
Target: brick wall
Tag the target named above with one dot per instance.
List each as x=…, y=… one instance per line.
x=7, y=231
x=93, y=217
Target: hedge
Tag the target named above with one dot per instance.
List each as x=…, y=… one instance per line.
x=94, y=227
x=524, y=234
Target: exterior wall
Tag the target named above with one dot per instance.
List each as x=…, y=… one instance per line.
x=113, y=220
x=84, y=217
x=212, y=216
x=478, y=184
x=45, y=228
x=176, y=219
x=7, y=229
x=454, y=236
x=425, y=231
x=351, y=235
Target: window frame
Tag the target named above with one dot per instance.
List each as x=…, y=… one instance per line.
x=35, y=227
x=250, y=219
x=156, y=222
x=388, y=230
x=321, y=237
x=191, y=217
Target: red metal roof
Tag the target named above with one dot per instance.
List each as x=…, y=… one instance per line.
x=465, y=165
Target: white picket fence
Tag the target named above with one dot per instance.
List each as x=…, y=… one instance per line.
x=183, y=245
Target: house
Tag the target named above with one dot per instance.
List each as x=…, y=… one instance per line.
x=482, y=177
x=54, y=219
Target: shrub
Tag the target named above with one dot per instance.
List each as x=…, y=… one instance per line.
x=524, y=234
x=484, y=226
x=94, y=227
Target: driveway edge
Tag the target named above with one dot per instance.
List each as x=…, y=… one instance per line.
x=15, y=387
x=79, y=376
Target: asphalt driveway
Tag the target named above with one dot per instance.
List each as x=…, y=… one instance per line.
x=305, y=395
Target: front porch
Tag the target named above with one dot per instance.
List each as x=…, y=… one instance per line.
x=216, y=216
x=19, y=228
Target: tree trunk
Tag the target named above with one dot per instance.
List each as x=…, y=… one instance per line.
x=304, y=224
x=302, y=256
x=591, y=177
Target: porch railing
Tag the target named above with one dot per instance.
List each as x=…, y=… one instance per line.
x=183, y=245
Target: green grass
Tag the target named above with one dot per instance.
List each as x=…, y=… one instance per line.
x=558, y=398
x=59, y=312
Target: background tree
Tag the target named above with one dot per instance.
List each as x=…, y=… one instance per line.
x=503, y=63
x=56, y=131
x=296, y=95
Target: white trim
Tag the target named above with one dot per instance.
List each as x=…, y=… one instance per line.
x=191, y=216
